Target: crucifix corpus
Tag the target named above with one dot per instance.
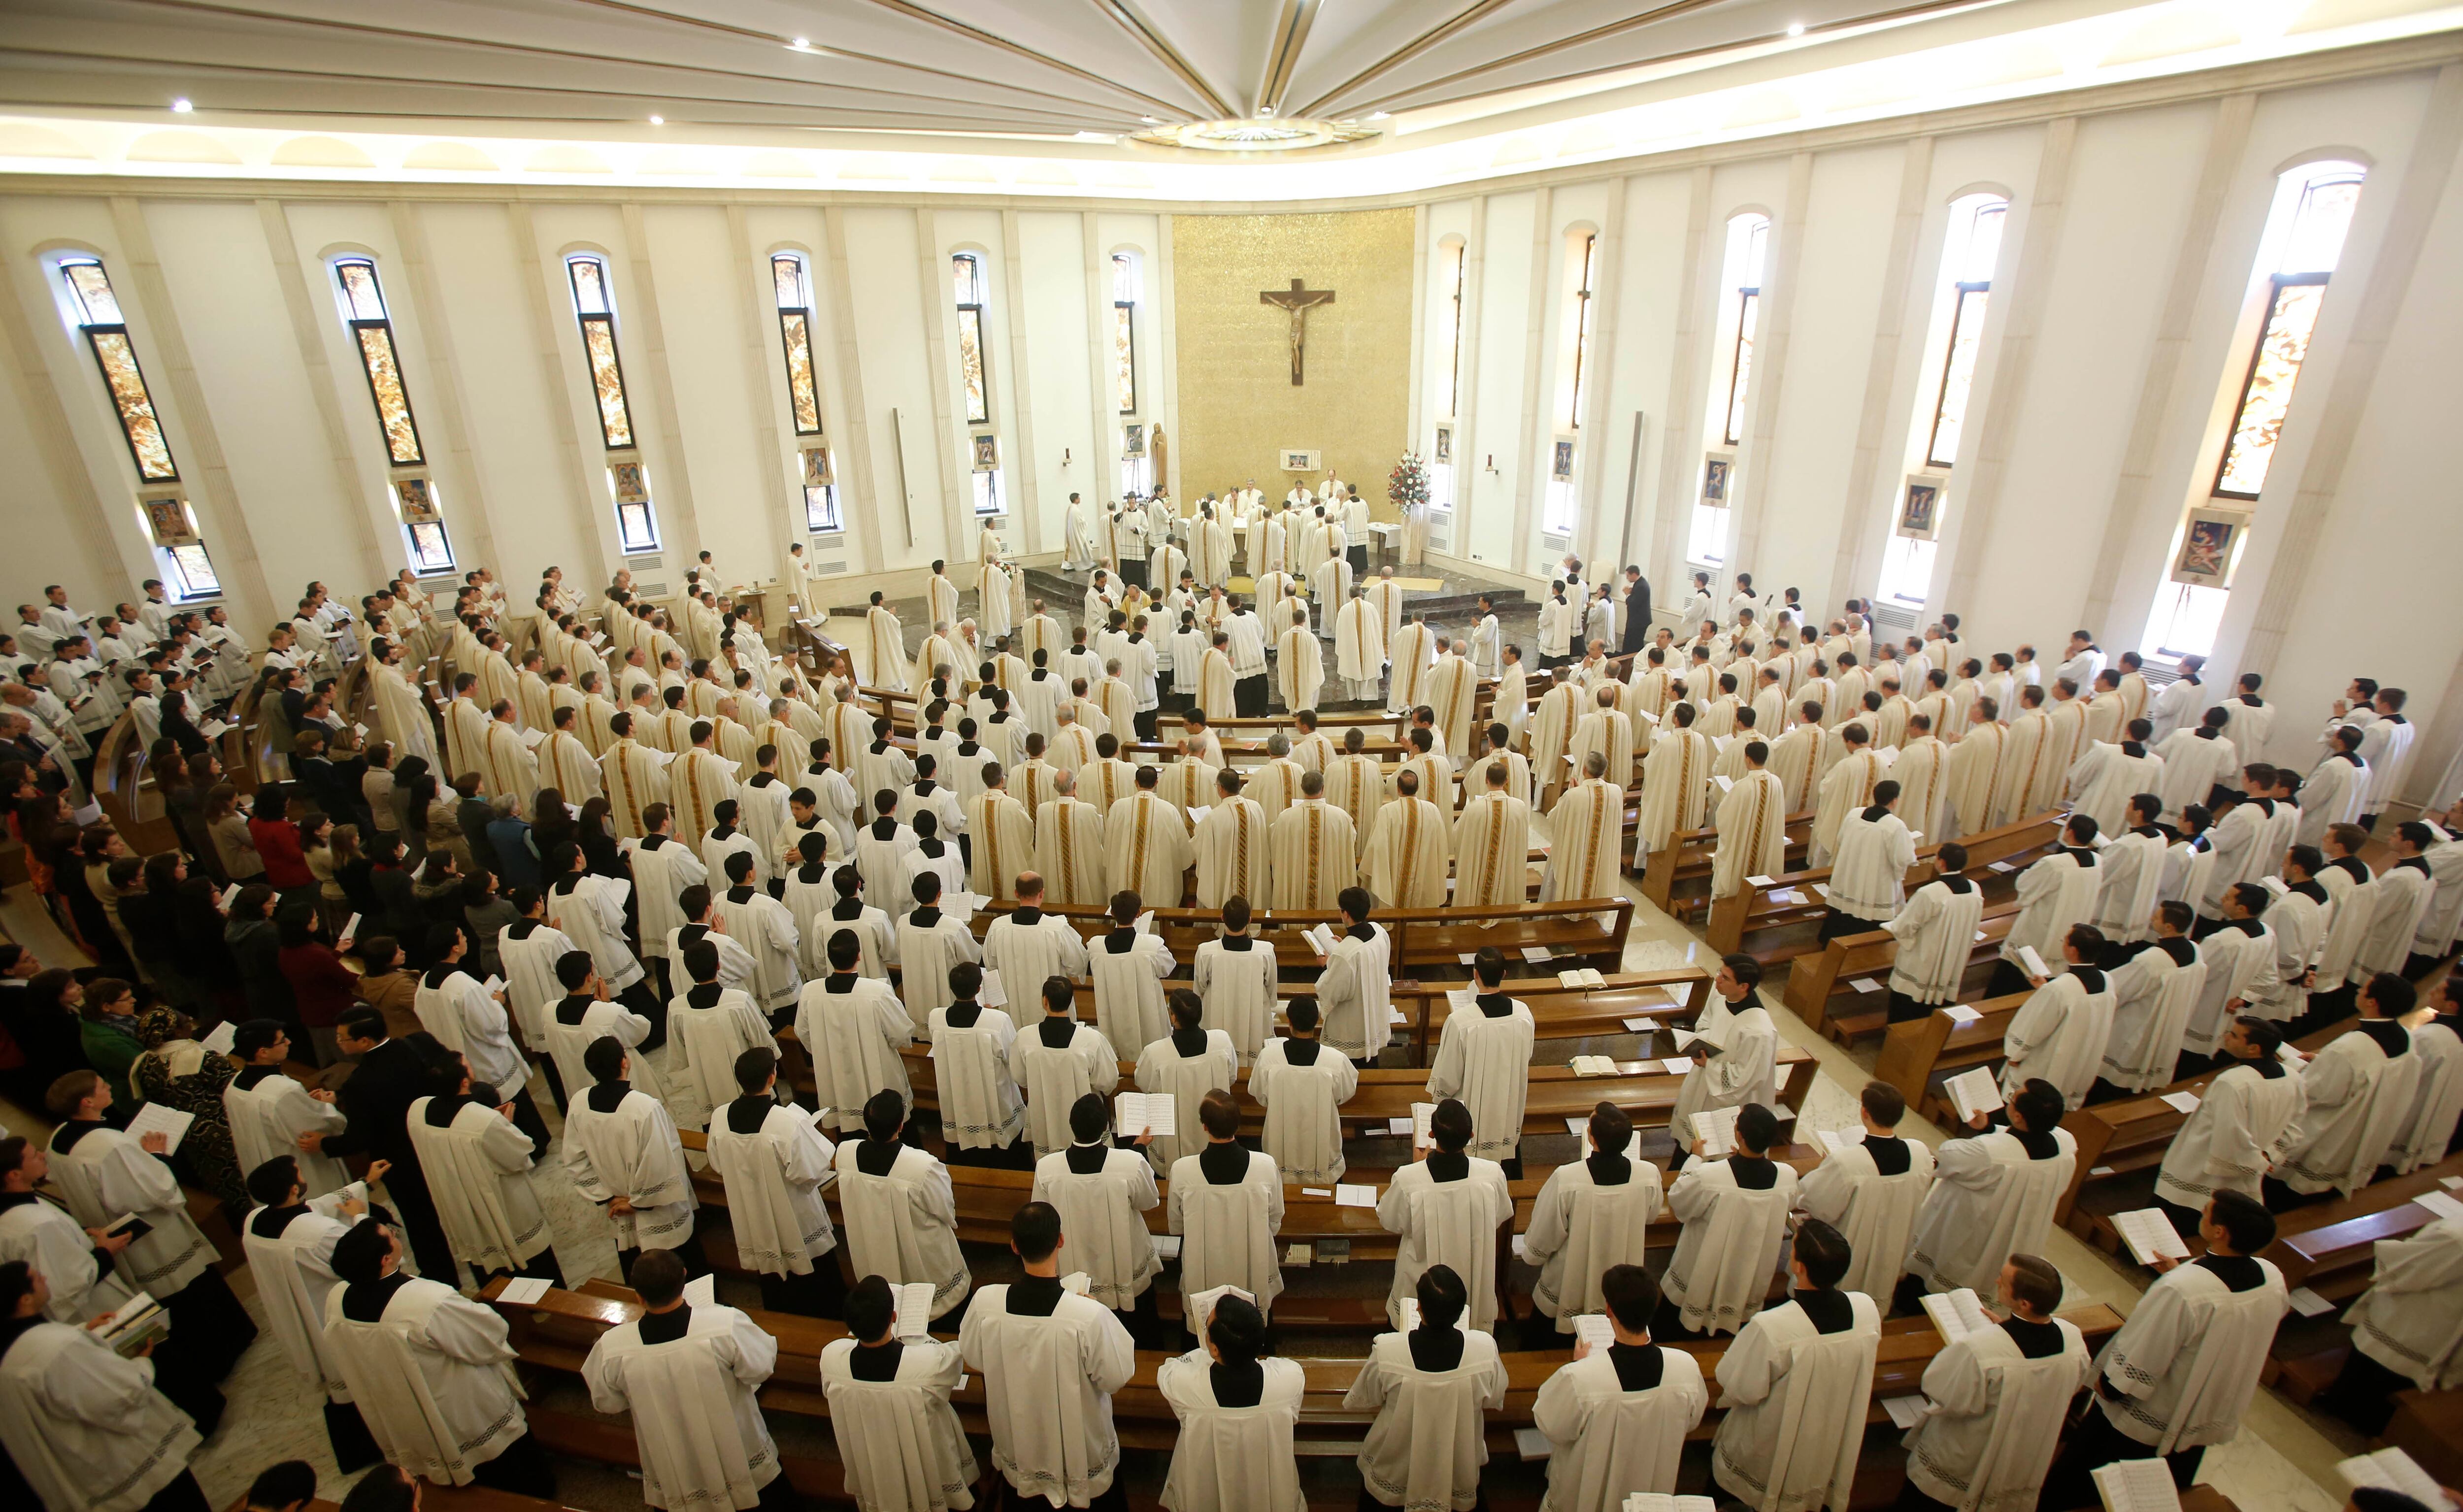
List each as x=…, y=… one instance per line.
x=1297, y=300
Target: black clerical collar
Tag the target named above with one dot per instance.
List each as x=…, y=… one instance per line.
x=1361, y=932
x=746, y=1114
x=1608, y=1168
x=876, y=1362
x=2082, y=855
x=2035, y=1341
x=2253, y=926
x=2239, y=1272
x=2090, y=978
x=651, y=842
x=249, y=1075
x=2391, y=1036
x=1873, y=815
x=365, y=1300
x=1189, y=1042
x=1239, y=942
x=2039, y=1145
x=1034, y=1297
x=876, y=1157
x=927, y=917
x=2152, y=831
x=1121, y=941
x=967, y=747
x=270, y=1222
x=606, y=1096
x=963, y=1013
x=740, y=894
x=1959, y=885
x=438, y=975
x=812, y=871
x=765, y=779
x=446, y=1107
x=2351, y=866
x=1888, y=1153
x=1027, y=915
x=1448, y=1165
x=722, y=833
x=2310, y=889
x=1224, y=1164
x=1755, y=1173
x=1300, y=1052
x=2418, y=863
x=524, y=928
x=1087, y=1159
x=885, y=827
x=847, y=908
x=704, y=994
x=932, y=847
x=1827, y=1307
x=666, y=1327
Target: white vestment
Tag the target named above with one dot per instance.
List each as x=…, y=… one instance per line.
x=1048, y=1385
x=1796, y=1400
x=1579, y=1227
x=1729, y=1248
x=1989, y=1200
x=1304, y=1126
x=902, y=1227
x=696, y=1421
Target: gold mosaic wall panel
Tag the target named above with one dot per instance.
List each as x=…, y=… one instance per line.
x=1238, y=408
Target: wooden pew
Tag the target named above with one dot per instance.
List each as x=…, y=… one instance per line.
x=1753, y=910
x=1676, y=878
x=556, y=1334
x=1915, y=1052
x=1560, y=1012
x=1867, y=957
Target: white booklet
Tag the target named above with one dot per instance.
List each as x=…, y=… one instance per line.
x=992, y=994
x=1592, y=1328
x=1906, y=1411
x=2393, y=1470
x=2137, y=1485
x=160, y=1119
x=1135, y=1113
x=913, y=1311
x=220, y=1041
x=1955, y=1314
x=2035, y=963
x=2148, y=1233
x=1348, y=1195
x=1716, y=1129
x=1662, y=1501
x=521, y=1291
x=1972, y=1092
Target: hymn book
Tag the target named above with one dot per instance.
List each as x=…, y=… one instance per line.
x=1972, y=1092
x=1716, y=1129
x=164, y=1120
x=1956, y=1314
x=2148, y=1233
x=2393, y=1470
x=1136, y=1113
x=2137, y=1485
x=912, y=1318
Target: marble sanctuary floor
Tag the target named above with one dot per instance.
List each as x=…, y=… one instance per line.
x=2282, y=1461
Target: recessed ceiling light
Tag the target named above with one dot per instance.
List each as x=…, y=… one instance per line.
x=1149, y=121
x=1380, y=115
x=1265, y=111
x=801, y=44
x=658, y=121
x=182, y=105
x=1795, y=29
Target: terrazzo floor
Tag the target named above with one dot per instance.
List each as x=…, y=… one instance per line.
x=2282, y=1461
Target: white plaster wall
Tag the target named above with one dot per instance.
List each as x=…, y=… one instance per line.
x=1485, y=481
x=1649, y=264
x=1052, y=248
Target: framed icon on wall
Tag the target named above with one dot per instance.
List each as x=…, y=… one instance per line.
x=1718, y=470
x=2208, y=542
x=1298, y=459
x=1920, y=506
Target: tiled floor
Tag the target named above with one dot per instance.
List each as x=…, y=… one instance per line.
x=2282, y=1461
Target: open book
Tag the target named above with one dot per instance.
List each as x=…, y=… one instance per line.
x=2137, y=1485
x=1716, y=1129
x=914, y=1316
x=2148, y=1233
x=1134, y=1113
x=1955, y=1314
x=1972, y=1092
x=164, y=1120
x=141, y=1320
x=1593, y=1066
x=1583, y=977
x=1592, y=1328
x=1662, y=1501
x=2393, y=1470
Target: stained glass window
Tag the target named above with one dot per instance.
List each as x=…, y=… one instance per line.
x=1748, y=241
x=195, y=572
x=2308, y=250
x=429, y=551
x=1124, y=329
x=795, y=339
x=1453, y=333
x=597, y=319
x=1971, y=266
x=966, y=275
x=1749, y=304
x=115, y=357
x=1582, y=328
x=363, y=309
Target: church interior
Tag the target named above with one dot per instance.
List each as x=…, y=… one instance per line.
x=1590, y=541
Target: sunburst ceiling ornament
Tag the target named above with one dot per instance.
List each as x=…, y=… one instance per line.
x=1258, y=134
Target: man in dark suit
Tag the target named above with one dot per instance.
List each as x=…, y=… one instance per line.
x=1636, y=612
x=392, y=1074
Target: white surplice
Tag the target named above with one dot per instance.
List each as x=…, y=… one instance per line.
x=1874, y=1212
x=901, y=1225
x=2152, y=997
x=900, y=1440
x=1238, y=988
x=2411, y=1320
x=695, y=1417
x=2186, y=1363
x=1053, y=1076
x=1048, y=1385
x=632, y=1152
x=1729, y=1247
x=1165, y=1065
x=1101, y=1216
x=709, y=1026
x=1980, y=1445
x=774, y=1177
x=2358, y=1097
x=2058, y=1035
x=1580, y=1227
x=1232, y=1458
x=433, y=1379
x=1450, y=1224
x=1989, y=1200
x=1610, y=1442
x=294, y=1267
x=1796, y=1400
x=1426, y=1447
x=1484, y=1058
x=1936, y=934
x=478, y=1170
x=1303, y=1096
x=86, y=1428
x=2235, y=1132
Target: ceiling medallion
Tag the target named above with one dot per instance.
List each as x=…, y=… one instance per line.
x=1258, y=134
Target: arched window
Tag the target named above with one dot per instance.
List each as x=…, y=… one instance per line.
x=967, y=276
x=1453, y=259
x=187, y=570
x=628, y=478
x=1962, y=299
x=1125, y=330
x=2305, y=229
x=362, y=293
x=1748, y=245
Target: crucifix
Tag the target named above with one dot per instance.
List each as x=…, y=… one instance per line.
x=1298, y=299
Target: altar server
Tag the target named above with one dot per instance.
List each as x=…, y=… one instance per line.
x=1484, y=1058
x=688, y=1376
x=478, y=1167
x=432, y=1372
x=2359, y=1089
x=289, y=1237
x=1187, y=1063
x=1992, y=1195
x=710, y=1025
x=1796, y=1384
x=1429, y=1388
x=1981, y=1441
x=1051, y=1362
x=895, y=1199
x=1301, y=1083
x=1100, y=1194
x=1447, y=1205
x=2239, y=1128
x=900, y=1440
x=1871, y=1188
x=774, y=1162
x=1593, y=1216
x=2182, y=1371
x=621, y=1149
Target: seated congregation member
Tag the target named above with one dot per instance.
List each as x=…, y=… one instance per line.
x=583, y=1016
x=1101, y=1195
x=1993, y=1196
x=687, y=1376
x=1733, y=1212
x=1429, y=1389
x=1871, y=1191
x=2059, y=1033
x=1484, y=1058
x=897, y=1434
x=774, y=1162
x=1446, y=1204
x=1985, y=1438
x=1186, y=1063
x=902, y=1220
x=1936, y=934
x=2407, y=1328
x=1226, y=1206
x=981, y=1112
x=709, y=1026
x=73, y=1410
x=289, y=1237
x=479, y=1168
x=853, y=1027
x=1302, y=1086
x=106, y=1176
x=1797, y=1383
x=2358, y=1091
x=432, y=1372
x=1238, y=1408
x=1736, y=1061
x=1051, y=1361
x=1593, y=1215
x=621, y=1149
x=2181, y=1372
x=1617, y=1417
x=2239, y=1128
